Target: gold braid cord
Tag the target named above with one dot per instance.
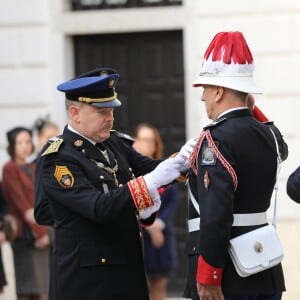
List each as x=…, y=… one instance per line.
x=194, y=156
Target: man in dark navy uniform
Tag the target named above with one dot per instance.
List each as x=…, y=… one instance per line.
x=98, y=191
x=232, y=177
x=293, y=185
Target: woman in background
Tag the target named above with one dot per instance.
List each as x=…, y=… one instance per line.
x=3, y=211
x=46, y=130
x=31, y=246
x=159, y=239
x=8, y=230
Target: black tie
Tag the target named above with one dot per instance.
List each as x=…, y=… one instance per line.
x=101, y=146
x=111, y=157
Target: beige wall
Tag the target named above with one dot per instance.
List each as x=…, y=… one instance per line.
x=36, y=54
x=27, y=65
x=270, y=28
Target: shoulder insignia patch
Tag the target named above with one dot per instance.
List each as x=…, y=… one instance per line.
x=208, y=157
x=64, y=176
x=53, y=147
x=215, y=123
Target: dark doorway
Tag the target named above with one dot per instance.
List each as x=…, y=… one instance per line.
x=151, y=89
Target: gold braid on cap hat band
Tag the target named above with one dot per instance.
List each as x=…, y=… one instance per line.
x=96, y=100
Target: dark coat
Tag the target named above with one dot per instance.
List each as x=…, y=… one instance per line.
x=18, y=188
x=293, y=185
x=3, y=211
x=97, y=252
x=249, y=147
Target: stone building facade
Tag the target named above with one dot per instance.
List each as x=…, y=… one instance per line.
x=36, y=54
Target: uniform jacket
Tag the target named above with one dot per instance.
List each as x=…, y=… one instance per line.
x=98, y=252
x=249, y=147
x=18, y=187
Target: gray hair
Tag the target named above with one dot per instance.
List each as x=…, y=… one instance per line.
x=69, y=103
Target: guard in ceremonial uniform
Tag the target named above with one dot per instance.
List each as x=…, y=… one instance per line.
x=293, y=185
x=98, y=191
x=232, y=177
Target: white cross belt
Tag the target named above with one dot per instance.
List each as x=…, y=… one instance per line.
x=238, y=220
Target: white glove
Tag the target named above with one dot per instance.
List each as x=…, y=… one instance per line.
x=147, y=212
x=164, y=173
x=187, y=148
x=185, y=153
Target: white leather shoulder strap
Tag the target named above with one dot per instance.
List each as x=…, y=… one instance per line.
x=276, y=186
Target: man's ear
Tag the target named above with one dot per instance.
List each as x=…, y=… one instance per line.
x=219, y=93
x=74, y=113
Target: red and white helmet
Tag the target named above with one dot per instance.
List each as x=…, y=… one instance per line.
x=228, y=62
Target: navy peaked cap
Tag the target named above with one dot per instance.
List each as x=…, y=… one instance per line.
x=96, y=87
x=97, y=72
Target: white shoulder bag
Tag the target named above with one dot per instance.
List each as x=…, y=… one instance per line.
x=259, y=249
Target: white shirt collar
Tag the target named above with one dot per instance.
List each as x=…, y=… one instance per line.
x=230, y=110
x=75, y=131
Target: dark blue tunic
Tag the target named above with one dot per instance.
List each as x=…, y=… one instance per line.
x=98, y=251
x=249, y=147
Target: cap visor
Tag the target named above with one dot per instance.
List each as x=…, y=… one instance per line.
x=108, y=104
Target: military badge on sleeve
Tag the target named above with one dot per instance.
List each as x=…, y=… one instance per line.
x=64, y=176
x=208, y=157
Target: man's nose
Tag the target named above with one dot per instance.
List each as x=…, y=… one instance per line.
x=110, y=115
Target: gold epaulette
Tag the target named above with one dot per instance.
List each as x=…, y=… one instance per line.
x=53, y=147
